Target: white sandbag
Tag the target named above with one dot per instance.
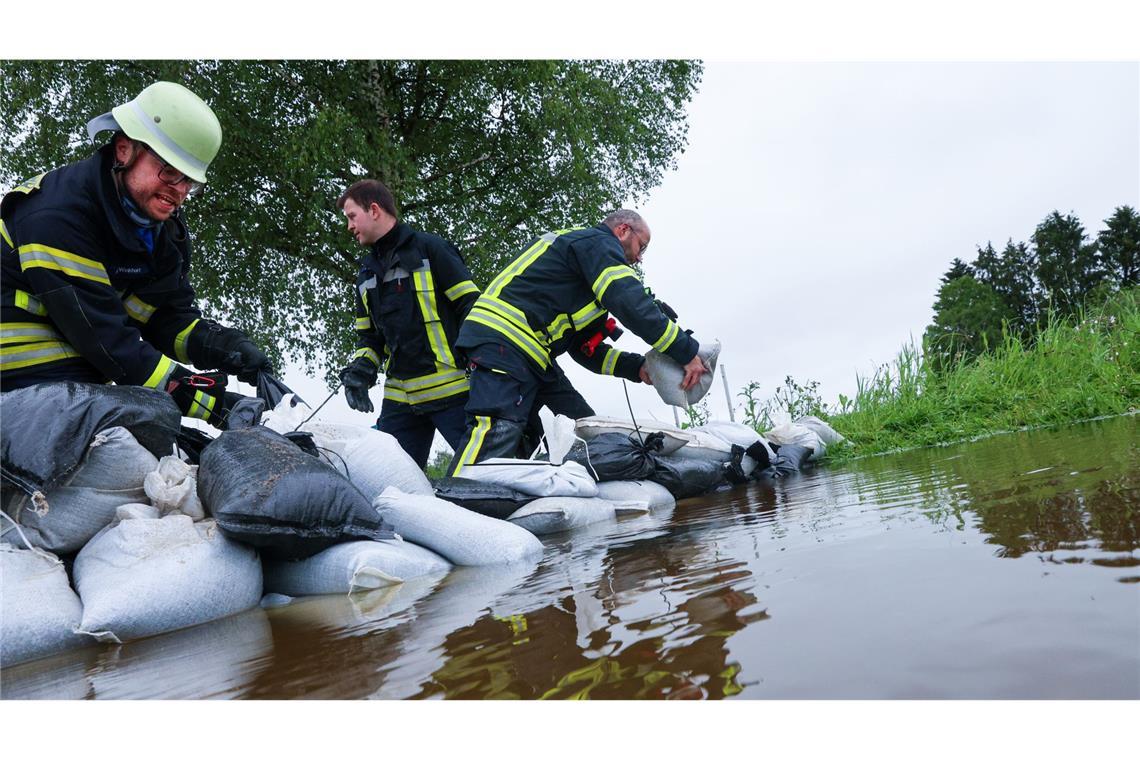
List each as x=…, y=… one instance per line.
x=740, y=435
x=554, y=514
x=533, y=478
x=353, y=566
x=589, y=428
x=460, y=535
x=667, y=375
x=655, y=495
x=799, y=435
x=173, y=488
x=38, y=610
x=144, y=576
x=559, y=432
x=111, y=474
x=826, y=432
x=705, y=447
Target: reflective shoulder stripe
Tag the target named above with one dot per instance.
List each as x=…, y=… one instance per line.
x=36, y=255
x=180, y=341
x=27, y=332
x=139, y=309
x=610, y=362
x=161, y=373
x=202, y=406
x=30, y=354
x=368, y=353
x=457, y=291
x=30, y=303
x=5, y=235
x=667, y=338
x=31, y=185
x=363, y=323
x=524, y=260
x=610, y=275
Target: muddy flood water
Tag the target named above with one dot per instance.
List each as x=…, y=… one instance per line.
x=1004, y=568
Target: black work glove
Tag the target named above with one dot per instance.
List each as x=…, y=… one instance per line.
x=231, y=351
x=357, y=378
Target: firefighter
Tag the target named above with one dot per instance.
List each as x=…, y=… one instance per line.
x=412, y=292
x=558, y=291
x=95, y=259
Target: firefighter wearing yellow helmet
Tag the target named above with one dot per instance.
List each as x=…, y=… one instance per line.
x=95, y=260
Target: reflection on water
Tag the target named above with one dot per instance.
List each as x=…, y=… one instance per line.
x=1007, y=567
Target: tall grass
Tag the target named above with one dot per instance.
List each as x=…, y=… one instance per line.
x=1072, y=369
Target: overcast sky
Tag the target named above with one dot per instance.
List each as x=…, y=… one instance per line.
x=817, y=205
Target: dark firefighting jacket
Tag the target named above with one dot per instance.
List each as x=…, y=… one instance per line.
x=558, y=292
x=412, y=292
x=82, y=298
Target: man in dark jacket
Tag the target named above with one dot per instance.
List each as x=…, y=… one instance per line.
x=549, y=300
x=95, y=260
x=412, y=292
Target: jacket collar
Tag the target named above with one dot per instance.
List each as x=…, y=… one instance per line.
x=396, y=240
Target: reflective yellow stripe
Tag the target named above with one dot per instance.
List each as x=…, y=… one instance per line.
x=610, y=362
x=525, y=259
x=28, y=332
x=471, y=450
x=30, y=303
x=587, y=314
x=30, y=185
x=36, y=255
x=457, y=291
x=139, y=309
x=180, y=341
x=5, y=235
x=556, y=329
x=363, y=323
x=508, y=329
x=453, y=388
x=609, y=276
x=425, y=294
x=29, y=354
x=369, y=353
x=427, y=381
x=161, y=372
x=667, y=337
x=202, y=406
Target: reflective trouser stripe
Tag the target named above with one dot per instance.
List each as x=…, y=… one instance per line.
x=474, y=444
x=609, y=276
x=371, y=355
x=525, y=341
x=202, y=406
x=36, y=255
x=457, y=291
x=161, y=373
x=425, y=294
x=180, y=341
x=30, y=303
x=139, y=309
x=28, y=332
x=667, y=337
x=363, y=323
x=30, y=354
x=610, y=362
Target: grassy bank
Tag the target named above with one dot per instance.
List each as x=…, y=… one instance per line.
x=1071, y=370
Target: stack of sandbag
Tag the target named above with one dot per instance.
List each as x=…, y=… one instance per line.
x=534, y=477
x=758, y=452
x=672, y=438
x=667, y=375
x=809, y=431
x=490, y=499
x=39, y=613
x=147, y=574
x=266, y=492
x=461, y=536
x=617, y=456
x=354, y=566
x=372, y=460
x=172, y=488
x=554, y=514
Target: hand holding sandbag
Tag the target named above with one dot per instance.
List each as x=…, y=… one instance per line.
x=670, y=378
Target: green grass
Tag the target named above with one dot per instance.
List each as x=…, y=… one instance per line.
x=1074, y=369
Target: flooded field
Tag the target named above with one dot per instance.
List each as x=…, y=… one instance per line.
x=1004, y=568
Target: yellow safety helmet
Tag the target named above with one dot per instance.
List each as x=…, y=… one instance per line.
x=174, y=122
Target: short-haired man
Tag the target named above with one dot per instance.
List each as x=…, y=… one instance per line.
x=554, y=295
x=412, y=292
x=95, y=259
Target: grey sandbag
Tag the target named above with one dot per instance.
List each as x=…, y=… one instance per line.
x=790, y=458
x=39, y=612
x=554, y=514
x=353, y=566
x=266, y=492
x=147, y=575
x=667, y=375
x=654, y=494
x=689, y=477
x=47, y=428
x=489, y=499
x=617, y=456
x=111, y=474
